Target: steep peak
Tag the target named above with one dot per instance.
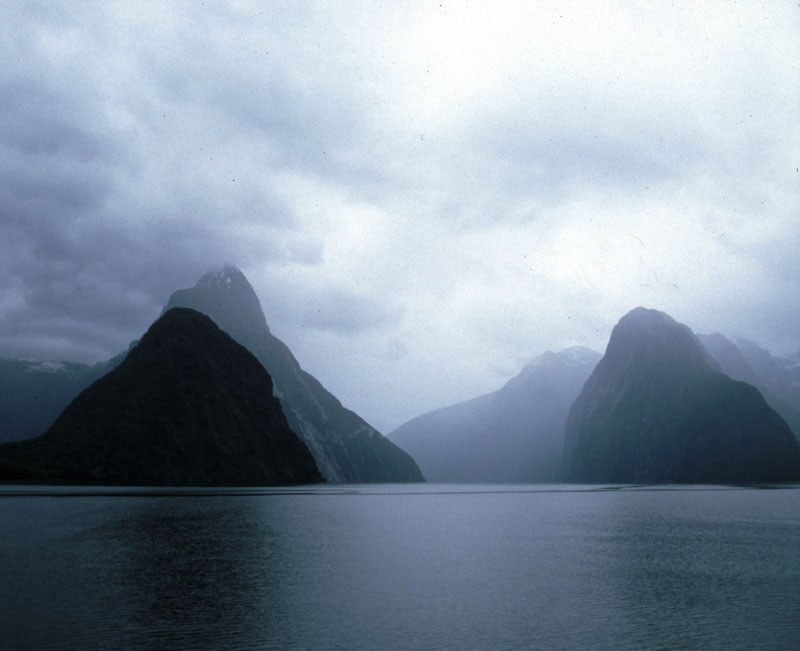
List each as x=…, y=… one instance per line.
x=224, y=277
x=645, y=322
x=645, y=340
x=188, y=406
x=650, y=319
x=228, y=298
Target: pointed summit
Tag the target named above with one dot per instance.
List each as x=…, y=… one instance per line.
x=346, y=448
x=188, y=405
x=226, y=277
x=228, y=298
x=657, y=410
x=649, y=337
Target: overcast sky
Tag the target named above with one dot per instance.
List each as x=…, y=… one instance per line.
x=424, y=195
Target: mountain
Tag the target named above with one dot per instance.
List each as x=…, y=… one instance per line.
x=728, y=357
x=774, y=378
x=515, y=434
x=779, y=377
x=33, y=394
x=345, y=447
x=657, y=409
x=188, y=405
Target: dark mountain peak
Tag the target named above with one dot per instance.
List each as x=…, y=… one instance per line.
x=650, y=343
x=182, y=334
x=656, y=409
x=644, y=323
x=188, y=405
x=647, y=315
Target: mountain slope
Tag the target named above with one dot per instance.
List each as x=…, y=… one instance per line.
x=657, y=409
x=773, y=381
x=33, y=394
x=515, y=434
x=345, y=447
x=188, y=405
x=780, y=376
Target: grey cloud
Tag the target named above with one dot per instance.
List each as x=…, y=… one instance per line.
x=306, y=122
x=38, y=120
x=137, y=151
x=58, y=152
x=97, y=235
x=552, y=159
x=334, y=309
x=344, y=313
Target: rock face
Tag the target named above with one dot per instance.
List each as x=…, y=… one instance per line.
x=345, y=447
x=774, y=378
x=188, y=405
x=33, y=394
x=657, y=409
x=513, y=435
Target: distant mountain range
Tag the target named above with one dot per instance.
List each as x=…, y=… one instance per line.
x=513, y=435
x=662, y=405
x=345, y=447
x=188, y=405
x=657, y=409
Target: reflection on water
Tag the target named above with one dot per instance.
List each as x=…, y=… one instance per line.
x=419, y=567
x=714, y=570
x=182, y=568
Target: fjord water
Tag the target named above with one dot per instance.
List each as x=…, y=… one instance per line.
x=400, y=567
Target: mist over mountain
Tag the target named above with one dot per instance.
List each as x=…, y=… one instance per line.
x=345, y=447
x=775, y=379
x=515, y=434
x=188, y=405
x=657, y=409
x=780, y=375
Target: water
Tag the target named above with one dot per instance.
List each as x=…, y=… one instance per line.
x=401, y=567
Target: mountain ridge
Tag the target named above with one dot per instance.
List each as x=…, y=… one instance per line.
x=657, y=409
x=511, y=435
x=187, y=406
x=774, y=382
x=346, y=448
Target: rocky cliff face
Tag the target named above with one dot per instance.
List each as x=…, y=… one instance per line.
x=346, y=448
x=515, y=434
x=187, y=406
x=657, y=409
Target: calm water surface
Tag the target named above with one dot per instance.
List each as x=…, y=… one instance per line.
x=401, y=567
